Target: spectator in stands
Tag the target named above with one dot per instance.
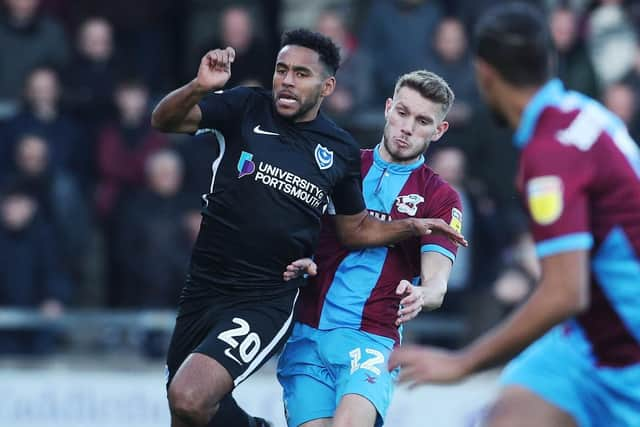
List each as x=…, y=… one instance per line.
x=41, y=114
x=451, y=60
x=575, y=68
x=353, y=92
x=254, y=63
x=29, y=273
x=124, y=146
x=59, y=202
x=305, y=14
x=396, y=34
x=611, y=41
x=620, y=99
x=27, y=39
x=146, y=33
x=91, y=76
x=153, y=250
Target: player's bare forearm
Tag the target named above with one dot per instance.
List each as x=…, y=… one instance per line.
x=562, y=293
x=362, y=230
x=433, y=292
x=435, y=270
x=179, y=111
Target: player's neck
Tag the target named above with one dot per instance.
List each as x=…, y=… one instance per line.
x=515, y=101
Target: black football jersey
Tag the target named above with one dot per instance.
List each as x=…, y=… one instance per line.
x=270, y=185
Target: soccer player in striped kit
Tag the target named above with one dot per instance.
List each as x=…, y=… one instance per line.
x=577, y=338
x=333, y=369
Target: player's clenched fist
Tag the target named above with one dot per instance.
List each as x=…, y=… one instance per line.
x=215, y=68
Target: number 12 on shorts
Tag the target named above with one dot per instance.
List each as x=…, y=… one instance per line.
x=248, y=347
x=370, y=363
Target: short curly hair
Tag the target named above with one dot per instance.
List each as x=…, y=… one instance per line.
x=327, y=50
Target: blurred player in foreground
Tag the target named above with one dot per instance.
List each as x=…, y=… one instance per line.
x=579, y=176
x=333, y=369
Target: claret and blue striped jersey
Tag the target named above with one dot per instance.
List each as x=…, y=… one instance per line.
x=580, y=178
x=357, y=289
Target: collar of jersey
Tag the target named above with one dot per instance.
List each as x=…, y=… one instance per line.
x=395, y=167
x=549, y=94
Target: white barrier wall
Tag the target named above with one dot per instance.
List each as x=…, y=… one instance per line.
x=86, y=398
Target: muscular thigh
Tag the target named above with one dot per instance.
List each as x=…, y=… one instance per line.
x=201, y=379
x=519, y=407
x=355, y=410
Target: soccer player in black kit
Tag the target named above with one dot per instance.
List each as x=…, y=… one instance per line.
x=281, y=163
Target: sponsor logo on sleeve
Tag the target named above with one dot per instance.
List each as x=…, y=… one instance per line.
x=324, y=157
x=409, y=204
x=545, y=199
x=456, y=220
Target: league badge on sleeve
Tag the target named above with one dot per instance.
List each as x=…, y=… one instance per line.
x=545, y=198
x=324, y=157
x=456, y=220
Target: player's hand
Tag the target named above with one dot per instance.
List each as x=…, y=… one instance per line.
x=300, y=267
x=215, y=68
x=411, y=302
x=420, y=365
x=438, y=226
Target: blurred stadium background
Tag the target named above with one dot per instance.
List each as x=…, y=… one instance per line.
x=98, y=211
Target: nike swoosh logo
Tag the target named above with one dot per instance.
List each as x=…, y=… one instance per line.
x=227, y=353
x=263, y=132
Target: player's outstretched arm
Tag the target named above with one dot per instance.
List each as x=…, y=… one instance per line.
x=179, y=111
x=435, y=272
x=562, y=293
x=362, y=230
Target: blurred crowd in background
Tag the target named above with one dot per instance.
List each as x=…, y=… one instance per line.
x=98, y=210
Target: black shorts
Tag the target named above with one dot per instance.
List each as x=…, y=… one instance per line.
x=240, y=333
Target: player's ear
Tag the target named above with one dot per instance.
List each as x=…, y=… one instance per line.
x=387, y=107
x=328, y=86
x=440, y=130
x=485, y=73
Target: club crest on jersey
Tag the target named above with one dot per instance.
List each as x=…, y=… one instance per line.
x=456, y=220
x=409, y=204
x=324, y=157
x=245, y=164
x=545, y=199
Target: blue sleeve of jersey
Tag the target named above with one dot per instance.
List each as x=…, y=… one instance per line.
x=564, y=243
x=222, y=108
x=439, y=249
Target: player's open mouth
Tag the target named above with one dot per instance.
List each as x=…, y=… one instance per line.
x=286, y=99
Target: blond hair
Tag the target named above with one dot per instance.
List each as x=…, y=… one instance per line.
x=430, y=85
